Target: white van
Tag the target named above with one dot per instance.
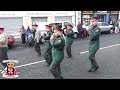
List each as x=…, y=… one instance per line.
x=62, y=24
x=41, y=26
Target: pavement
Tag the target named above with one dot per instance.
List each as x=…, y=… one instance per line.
x=32, y=66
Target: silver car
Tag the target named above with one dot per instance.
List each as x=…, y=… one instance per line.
x=105, y=27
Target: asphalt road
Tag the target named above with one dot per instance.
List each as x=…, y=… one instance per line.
x=32, y=66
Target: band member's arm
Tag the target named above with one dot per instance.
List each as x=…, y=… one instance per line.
x=88, y=31
x=70, y=33
x=57, y=43
x=2, y=39
x=46, y=36
x=38, y=37
x=95, y=35
x=52, y=39
x=6, y=37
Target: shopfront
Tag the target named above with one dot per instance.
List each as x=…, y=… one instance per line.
x=103, y=16
x=85, y=16
x=114, y=15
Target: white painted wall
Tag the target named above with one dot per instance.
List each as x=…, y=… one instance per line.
x=119, y=15
x=79, y=16
x=27, y=14
x=35, y=13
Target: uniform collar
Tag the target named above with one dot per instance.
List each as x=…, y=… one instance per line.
x=69, y=29
x=94, y=26
x=58, y=36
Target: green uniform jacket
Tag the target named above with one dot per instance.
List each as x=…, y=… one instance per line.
x=33, y=31
x=47, y=40
x=94, y=35
x=69, y=36
x=58, y=54
x=117, y=24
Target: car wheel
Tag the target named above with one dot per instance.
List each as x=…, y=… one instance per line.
x=111, y=30
x=75, y=35
x=42, y=40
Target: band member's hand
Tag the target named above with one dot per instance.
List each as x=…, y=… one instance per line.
x=59, y=41
x=47, y=34
x=52, y=37
x=37, y=42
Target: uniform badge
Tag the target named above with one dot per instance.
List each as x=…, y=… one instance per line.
x=59, y=41
x=97, y=30
x=47, y=35
x=70, y=31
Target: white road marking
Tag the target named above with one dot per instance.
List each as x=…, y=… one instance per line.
x=101, y=48
x=80, y=53
x=30, y=64
x=19, y=47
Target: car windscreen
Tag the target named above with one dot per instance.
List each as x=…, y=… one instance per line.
x=66, y=23
x=104, y=24
x=99, y=24
x=58, y=24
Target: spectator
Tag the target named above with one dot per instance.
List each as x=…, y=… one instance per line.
x=22, y=32
x=117, y=26
x=80, y=29
x=28, y=31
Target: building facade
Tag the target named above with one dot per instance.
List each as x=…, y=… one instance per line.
x=13, y=20
x=104, y=16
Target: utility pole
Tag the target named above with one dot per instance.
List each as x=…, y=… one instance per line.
x=76, y=17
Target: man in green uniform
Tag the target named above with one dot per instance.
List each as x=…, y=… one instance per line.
x=54, y=27
x=117, y=26
x=37, y=40
x=69, y=39
x=57, y=53
x=48, y=46
x=34, y=30
x=94, y=44
x=3, y=46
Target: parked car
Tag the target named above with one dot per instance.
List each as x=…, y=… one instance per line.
x=11, y=40
x=75, y=32
x=61, y=24
x=105, y=27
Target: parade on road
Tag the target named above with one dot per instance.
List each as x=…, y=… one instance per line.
x=91, y=56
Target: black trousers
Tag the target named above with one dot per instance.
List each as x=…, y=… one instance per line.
x=68, y=49
x=80, y=34
x=23, y=39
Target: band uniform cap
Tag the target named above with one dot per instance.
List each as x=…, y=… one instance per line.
x=70, y=25
x=1, y=28
x=48, y=26
x=59, y=29
x=94, y=18
x=35, y=25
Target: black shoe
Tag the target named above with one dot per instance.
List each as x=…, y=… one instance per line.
x=93, y=69
x=48, y=65
x=39, y=54
x=61, y=78
x=69, y=57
